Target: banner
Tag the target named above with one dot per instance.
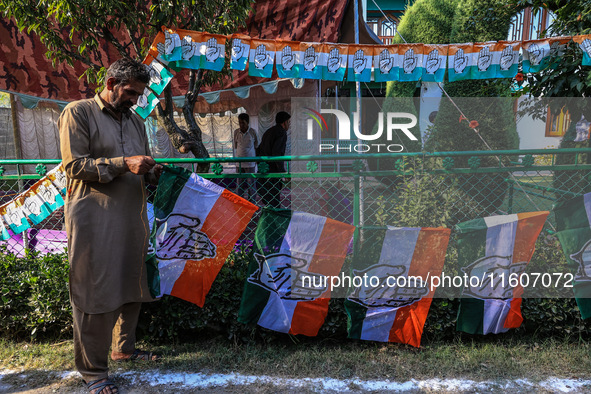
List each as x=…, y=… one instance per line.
x=411, y=62
x=288, y=59
x=492, y=250
x=394, y=307
x=287, y=288
x=197, y=223
x=386, y=63
x=159, y=75
x=262, y=56
x=213, y=51
x=359, y=63
x=435, y=62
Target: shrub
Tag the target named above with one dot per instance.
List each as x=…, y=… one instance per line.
x=34, y=300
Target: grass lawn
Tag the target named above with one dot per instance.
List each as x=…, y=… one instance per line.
x=477, y=359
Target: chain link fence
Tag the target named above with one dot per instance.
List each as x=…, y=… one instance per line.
x=424, y=189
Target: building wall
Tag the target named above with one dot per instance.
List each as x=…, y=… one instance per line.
x=7, y=150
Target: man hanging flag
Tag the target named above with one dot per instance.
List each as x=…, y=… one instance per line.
x=197, y=223
x=392, y=305
x=490, y=251
x=288, y=286
x=573, y=227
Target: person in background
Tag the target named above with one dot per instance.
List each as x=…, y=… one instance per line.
x=245, y=143
x=106, y=157
x=273, y=143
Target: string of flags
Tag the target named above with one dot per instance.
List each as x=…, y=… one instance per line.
x=34, y=205
x=176, y=49
x=297, y=256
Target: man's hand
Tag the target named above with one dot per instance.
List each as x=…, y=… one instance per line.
x=139, y=165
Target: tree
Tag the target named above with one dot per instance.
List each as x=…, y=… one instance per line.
x=83, y=30
x=567, y=79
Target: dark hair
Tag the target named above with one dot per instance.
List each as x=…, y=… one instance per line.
x=244, y=117
x=126, y=70
x=281, y=117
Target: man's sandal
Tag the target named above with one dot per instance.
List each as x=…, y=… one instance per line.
x=99, y=385
x=140, y=355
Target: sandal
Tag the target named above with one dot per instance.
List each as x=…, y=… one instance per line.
x=97, y=386
x=141, y=355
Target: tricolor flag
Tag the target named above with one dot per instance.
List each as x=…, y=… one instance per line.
x=57, y=176
x=434, y=62
x=509, y=58
x=262, y=56
x=535, y=55
x=191, y=50
x=585, y=46
x=240, y=52
x=13, y=215
x=213, y=51
x=168, y=45
x=411, y=62
x=288, y=59
x=386, y=63
x=146, y=103
x=159, y=74
x=4, y=234
x=460, y=61
x=490, y=251
x=335, y=65
x=359, y=63
x=314, y=60
x=486, y=60
x=197, y=223
x=393, y=304
x=287, y=289
x=573, y=227
x=41, y=200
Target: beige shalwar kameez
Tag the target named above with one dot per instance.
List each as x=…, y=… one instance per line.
x=106, y=222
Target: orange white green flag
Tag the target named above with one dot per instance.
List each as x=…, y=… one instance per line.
x=287, y=288
x=492, y=250
x=390, y=282
x=196, y=225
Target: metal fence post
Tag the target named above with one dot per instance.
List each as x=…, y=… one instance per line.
x=356, y=212
x=510, y=208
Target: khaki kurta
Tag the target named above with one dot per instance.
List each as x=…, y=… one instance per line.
x=105, y=211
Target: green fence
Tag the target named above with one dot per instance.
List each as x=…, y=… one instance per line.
x=370, y=191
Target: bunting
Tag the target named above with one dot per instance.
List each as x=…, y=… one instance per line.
x=491, y=250
x=287, y=288
x=394, y=306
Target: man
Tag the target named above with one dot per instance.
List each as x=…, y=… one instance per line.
x=245, y=143
x=273, y=143
x=106, y=158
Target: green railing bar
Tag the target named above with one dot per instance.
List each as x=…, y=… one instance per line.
x=543, y=188
x=351, y=156
x=537, y=195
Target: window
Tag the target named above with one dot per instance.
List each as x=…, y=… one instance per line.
x=556, y=125
x=527, y=25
